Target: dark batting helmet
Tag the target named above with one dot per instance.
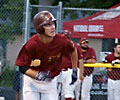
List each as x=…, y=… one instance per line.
x=67, y=33
x=41, y=19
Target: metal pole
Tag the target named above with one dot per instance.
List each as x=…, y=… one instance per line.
x=26, y=21
x=60, y=17
x=25, y=40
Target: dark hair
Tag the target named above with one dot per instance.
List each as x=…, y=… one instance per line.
x=115, y=45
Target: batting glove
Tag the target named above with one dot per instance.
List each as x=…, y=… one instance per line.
x=105, y=61
x=74, y=76
x=115, y=62
x=43, y=76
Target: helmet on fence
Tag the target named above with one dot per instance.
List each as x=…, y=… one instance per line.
x=67, y=33
x=41, y=19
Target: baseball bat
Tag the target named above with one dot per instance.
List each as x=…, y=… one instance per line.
x=80, y=90
x=59, y=87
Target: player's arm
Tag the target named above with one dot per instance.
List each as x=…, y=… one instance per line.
x=80, y=62
x=74, y=59
x=32, y=73
x=81, y=66
x=92, y=56
x=41, y=76
x=91, y=60
x=28, y=71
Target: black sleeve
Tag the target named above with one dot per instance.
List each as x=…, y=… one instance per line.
x=23, y=69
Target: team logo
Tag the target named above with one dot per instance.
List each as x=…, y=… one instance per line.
x=35, y=63
x=52, y=58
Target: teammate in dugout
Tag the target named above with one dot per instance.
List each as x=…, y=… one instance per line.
x=114, y=74
x=66, y=73
x=47, y=48
x=89, y=56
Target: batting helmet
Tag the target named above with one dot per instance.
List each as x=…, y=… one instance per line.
x=67, y=33
x=41, y=19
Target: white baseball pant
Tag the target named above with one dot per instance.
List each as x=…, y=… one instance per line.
x=113, y=89
x=68, y=90
x=86, y=87
x=39, y=90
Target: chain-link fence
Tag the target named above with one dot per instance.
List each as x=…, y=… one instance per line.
x=101, y=46
x=16, y=18
x=11, y=23
x=99, y=84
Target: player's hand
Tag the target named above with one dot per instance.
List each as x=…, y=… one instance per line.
x=84, y=61
x=105, y=61
x=43, y=76
x=115, y=62
x=74, y=76
x=81, y=77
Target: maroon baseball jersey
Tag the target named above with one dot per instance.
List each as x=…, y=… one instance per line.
x=89, y=54
x=115, y=72
x=66, y=61
x=50, y=54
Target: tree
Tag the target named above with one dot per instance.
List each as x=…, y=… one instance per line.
x=87, y=3
x=11, y=17
x=103, y=4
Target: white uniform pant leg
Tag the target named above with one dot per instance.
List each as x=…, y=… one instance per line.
x=60, y=85
x=113, y=89
x=86, y=87
x=110, y=90
x=117, y=90
x=30, y=95
x=39, y=90
x=51, y=94
x=77, y=85
x=67, y=88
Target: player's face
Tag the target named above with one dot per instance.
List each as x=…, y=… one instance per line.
x=84, y=45
x=50, y=29
x=117, y=49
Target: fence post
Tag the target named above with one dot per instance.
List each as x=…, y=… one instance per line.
x=26, y=21
x=59, y=18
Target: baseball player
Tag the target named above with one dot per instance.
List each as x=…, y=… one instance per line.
x=89, y=56
x=114, y=74
x=40, y=59
x=68, y=88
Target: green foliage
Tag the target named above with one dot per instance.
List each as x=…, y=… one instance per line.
x=87, y=3
x=6, y=32
x=11, y=17
x=100, y=3
x=103, y=4
x=34, y=2
x=6, y=79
